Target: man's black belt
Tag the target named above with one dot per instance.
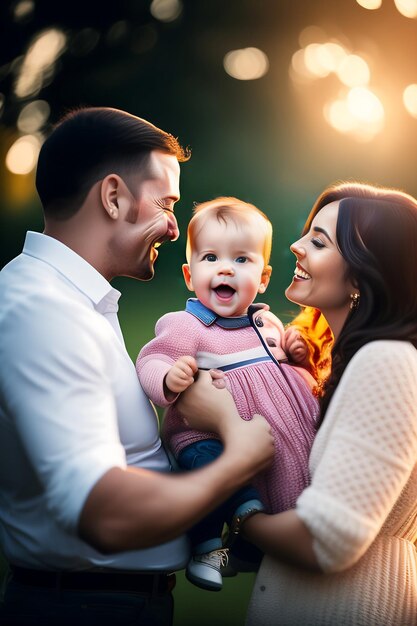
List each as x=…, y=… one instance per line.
x=157, y=583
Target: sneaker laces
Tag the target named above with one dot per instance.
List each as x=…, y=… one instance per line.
x=216, y=558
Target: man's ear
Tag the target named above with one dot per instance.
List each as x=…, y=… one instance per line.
x=112, y=187
x=187, y=276
x=266, y=275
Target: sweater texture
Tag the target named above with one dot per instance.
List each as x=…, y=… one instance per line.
x=361, y=505
x=285, y=399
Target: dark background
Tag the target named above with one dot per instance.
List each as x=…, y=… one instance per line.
x=265, y=141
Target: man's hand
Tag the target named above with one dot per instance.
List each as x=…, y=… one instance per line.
x=208, y=408
x=181, y=374
x=295, y=346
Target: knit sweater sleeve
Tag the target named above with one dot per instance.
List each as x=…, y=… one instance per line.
x=176, y=334
x=364, y=453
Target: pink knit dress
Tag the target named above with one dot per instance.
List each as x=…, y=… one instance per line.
x=257, y=385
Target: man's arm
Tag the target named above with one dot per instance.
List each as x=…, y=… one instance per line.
x=134, y=508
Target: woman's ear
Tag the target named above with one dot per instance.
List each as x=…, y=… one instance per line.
x=265, y=278
x=187, y=276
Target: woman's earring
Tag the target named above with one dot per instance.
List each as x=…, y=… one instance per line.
x=354, y=300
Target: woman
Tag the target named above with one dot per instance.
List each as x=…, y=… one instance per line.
x=346, y=554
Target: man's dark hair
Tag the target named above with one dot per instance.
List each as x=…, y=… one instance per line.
x=89, y=143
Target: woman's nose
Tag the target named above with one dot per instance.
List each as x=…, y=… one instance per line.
x=297, y=248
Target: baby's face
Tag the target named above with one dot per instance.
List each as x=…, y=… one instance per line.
x=227, y=268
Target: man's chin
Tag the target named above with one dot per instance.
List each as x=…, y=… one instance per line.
x=147, y=275
x=144, y=274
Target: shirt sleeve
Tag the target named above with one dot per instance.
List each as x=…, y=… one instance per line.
x=175, y=336
x=56, y=387
x=365, y=453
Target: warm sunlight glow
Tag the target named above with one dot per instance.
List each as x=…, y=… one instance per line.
x=311, y=34
x=338, y=115
x=246, y=64
x=410, y=99
x=316, y=61
x=361, y=114
x=331, y=55
x=39, y=61
x=370, y=4
x=353, y=71
x=365, y=105
x=23, y=154
x=166, y=10
x=408, y=8
x=298, y=70
x=356, y=110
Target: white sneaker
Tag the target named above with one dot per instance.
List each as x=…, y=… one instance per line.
x=203, y=570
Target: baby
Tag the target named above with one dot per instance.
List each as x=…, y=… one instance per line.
x=228, y=251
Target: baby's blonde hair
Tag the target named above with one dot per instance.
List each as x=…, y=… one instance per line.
x=228, y=208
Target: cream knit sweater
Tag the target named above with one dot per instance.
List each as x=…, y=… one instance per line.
x=361, y=506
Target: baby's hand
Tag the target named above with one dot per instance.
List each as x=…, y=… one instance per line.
x=181, y=374
x=296, y=346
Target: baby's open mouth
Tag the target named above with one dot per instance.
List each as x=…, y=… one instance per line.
x=224, y=291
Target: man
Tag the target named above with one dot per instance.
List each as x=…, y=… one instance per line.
x=91, y=521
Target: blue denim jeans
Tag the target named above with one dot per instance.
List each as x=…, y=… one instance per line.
x=208, y=532
x=35, y=606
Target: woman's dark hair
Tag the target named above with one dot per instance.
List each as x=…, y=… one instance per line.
x=376, y=234
x=89, y=143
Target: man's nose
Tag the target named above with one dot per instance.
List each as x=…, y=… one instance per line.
x=173, y=230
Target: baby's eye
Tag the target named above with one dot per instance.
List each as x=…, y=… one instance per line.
x=210, y=257
x=241, y=259
x=318, y=243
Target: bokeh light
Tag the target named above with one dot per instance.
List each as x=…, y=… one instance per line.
x=23, y=10
x=39, y=61
x=246, y=64
x=338, y=115
x=353, y=71
x=315, y=60
x=410, y=99
x=33, y=116
x=359, y=111
x=311, y=34
x=23, y=154
x=360, y=114
x=117, y=32
x=365, y=105
x=166, y=10
x=370, y=4
x=84, y=42
x=408, y=8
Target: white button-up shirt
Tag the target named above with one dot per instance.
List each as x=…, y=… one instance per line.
x=71, y=408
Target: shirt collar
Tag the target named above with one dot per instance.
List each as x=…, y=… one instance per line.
x=209, y=317
x=74, y=268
